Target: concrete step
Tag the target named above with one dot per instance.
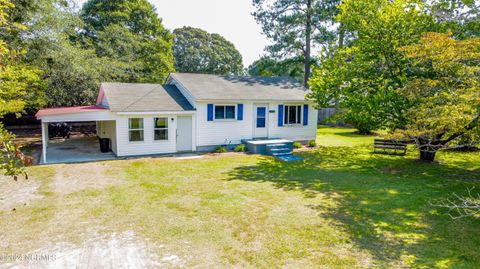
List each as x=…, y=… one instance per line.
x=276, y=145
x=282, y=153
x=280, y=150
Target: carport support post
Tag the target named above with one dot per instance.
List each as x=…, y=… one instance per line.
x=44, y=141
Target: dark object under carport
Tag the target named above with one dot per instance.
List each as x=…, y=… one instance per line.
x=104, y=145
x=59, y=130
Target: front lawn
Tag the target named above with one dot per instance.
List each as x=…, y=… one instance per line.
x=343, y=207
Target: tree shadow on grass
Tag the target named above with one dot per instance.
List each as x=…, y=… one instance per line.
x=355, y=134
x=382, y=202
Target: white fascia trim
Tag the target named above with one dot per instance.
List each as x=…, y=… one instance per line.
x=173, y=77
x=256, y=101
x=158, y=112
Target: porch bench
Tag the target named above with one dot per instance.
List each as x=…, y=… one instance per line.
x=390, y=146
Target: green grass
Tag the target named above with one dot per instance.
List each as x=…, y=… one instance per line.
x=343, y=207
x=334, y=137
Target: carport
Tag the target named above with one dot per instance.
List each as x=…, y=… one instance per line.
x=81, y=149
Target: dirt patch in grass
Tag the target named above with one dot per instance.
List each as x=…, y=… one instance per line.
x=70, y=178
x=17, y=193
x=125, y=250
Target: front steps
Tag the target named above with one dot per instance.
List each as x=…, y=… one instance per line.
x=279, y=148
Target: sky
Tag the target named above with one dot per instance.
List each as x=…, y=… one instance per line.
x=230, y=18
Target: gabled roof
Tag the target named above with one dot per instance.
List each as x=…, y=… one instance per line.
x=214, y=87
x=143, y=97
x=68, y=110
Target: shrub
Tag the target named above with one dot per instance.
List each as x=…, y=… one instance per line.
x=220, y=149
x=312, y=143
x=297, y=145
x=240, y=148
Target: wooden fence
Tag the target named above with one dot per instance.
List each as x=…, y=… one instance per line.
x=324, y=114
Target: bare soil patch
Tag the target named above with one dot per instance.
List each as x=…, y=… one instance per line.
x=19, y=193
x=125, y=250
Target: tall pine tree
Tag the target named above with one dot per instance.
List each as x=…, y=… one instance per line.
x=297, y=26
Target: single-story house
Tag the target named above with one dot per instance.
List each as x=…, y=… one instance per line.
x=192, y=112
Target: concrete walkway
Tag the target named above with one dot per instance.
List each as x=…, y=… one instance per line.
x=74, y=150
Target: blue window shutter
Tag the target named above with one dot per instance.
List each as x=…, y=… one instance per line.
x=210, y=112
x=305, y=114
x=280, y=115
x=240, y=112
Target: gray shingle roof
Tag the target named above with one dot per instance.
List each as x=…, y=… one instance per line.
x=213, y=87
x=140, y=97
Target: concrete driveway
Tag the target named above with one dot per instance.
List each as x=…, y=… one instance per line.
x=73, y=150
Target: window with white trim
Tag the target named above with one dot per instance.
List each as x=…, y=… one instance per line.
x=160, y=129
x=225, y=112
x=135, y=129
x=292, y=115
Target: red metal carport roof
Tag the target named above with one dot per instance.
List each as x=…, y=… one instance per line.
x=68, y=110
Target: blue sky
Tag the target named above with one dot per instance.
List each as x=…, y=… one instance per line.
x=229, y=18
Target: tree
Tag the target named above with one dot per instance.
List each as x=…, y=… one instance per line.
x=462, y=206
x=18, y=85
x=132, y=36
x=73, y=74
x=267, y=66
x=462, y=17
x=371, y=69
x=444, y=93
x=296, y=26
x=197, y=51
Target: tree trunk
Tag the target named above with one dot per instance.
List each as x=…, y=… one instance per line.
x=341, y=40
x=427, y=155
x=427, y=150
x=308, y=32
x=341, y=37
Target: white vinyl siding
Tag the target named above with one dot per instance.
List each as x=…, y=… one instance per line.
x=215, y=132
x=148, y=146
x=83, y=116
x=107, y=129
x=297, y=132
x=219, y=132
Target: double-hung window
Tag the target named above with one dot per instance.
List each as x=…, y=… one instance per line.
x=224, y=112
x=293, y=114
x=135, y=129
x=160, y=129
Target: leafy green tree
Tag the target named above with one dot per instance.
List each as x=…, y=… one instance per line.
x=73, y=74
x=10, y=160
x=297, y=26
x=445, y=92
x=267, y=66
x=365, y=76
x=197, y=51
x=18, y=85
x=70, y=73
x=462, y=17
x=132, y=36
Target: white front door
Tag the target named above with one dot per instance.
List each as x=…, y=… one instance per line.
x=260, y=121
x=184, y=133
